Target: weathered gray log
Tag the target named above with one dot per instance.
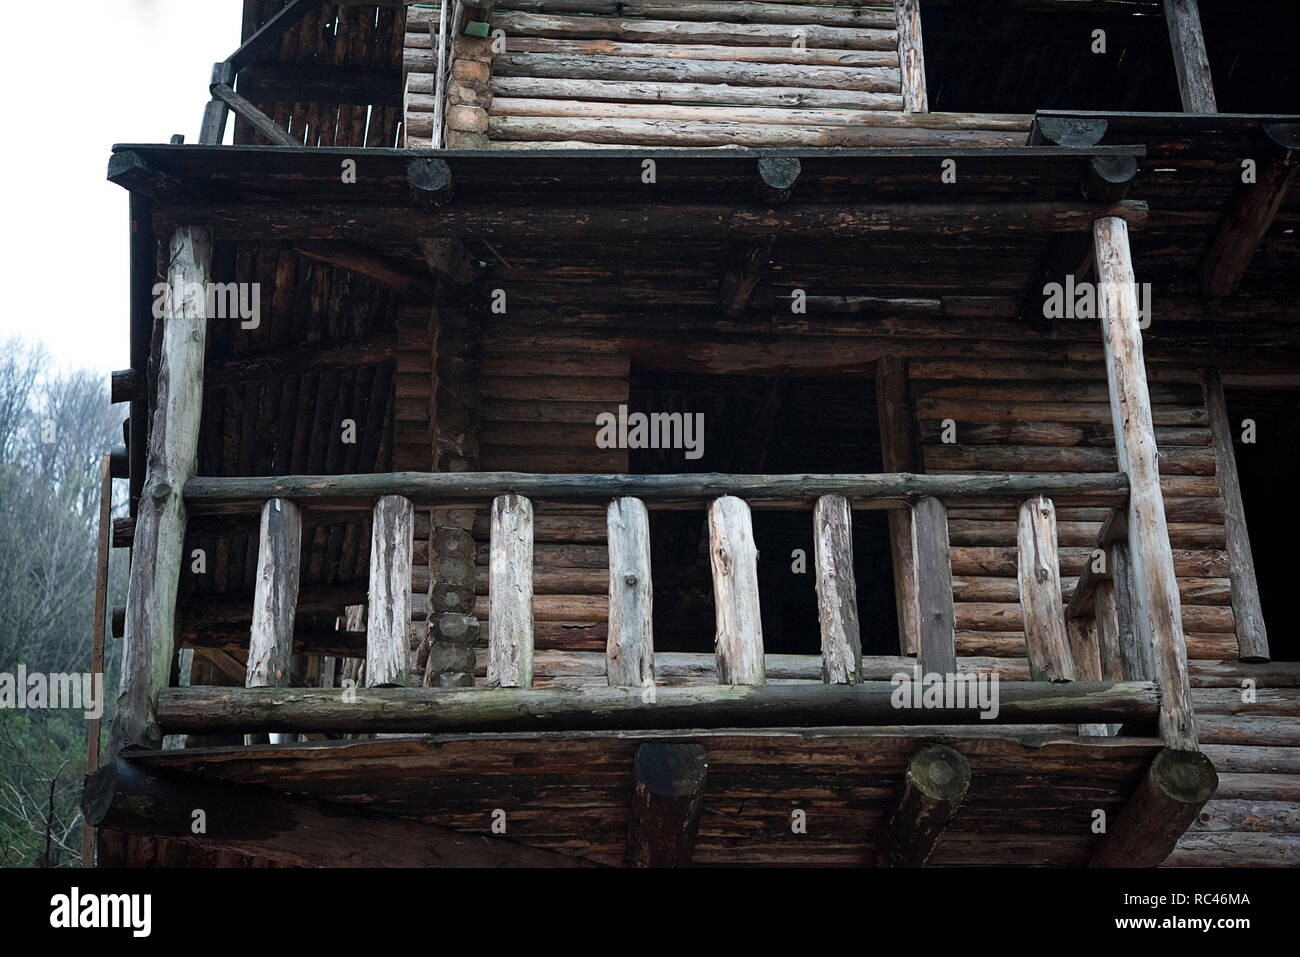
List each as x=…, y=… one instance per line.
x=798, y=704
x=717, y=94
x=935, y=785
x=837, y=590
x=1155, y=586
x=1165, y=803
x=899, y=453
x=676, y=31
x=1040, y=592
x=510, y=593
x=212, y=495
x=1195, y=85
x=388, y=625
x=1067, y=131
x=911, y=56
x=936, y=617
x=724, y=12
x=1252, y=634
x=664, y=818
x=160, y=521
x=733, y=558
x=629, y=648
x=275, y=595
x=266, y=824
x=1136, y=657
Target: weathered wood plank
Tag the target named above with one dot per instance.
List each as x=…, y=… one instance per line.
x=1040, y=592
x=664, y=819
x=160, y=521
x=1252, y=633
x=510, y=595
x=837, y=590
x=388, y=624
x=733, y=558
x=936, y=617
x=899, y=453
x=629, y=650
x=935, y=785
x=1155, y=585
x=275, y=596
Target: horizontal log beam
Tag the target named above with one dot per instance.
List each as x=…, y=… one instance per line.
x=268, y=824
x=429, y=710
x=370, y=223
x=212, y=495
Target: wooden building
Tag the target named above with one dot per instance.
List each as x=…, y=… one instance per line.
x=632, y=390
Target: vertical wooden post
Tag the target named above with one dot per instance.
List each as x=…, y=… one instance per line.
x=388, y=625
x=1085, y=654
x=1155, y=587
x=510, y=593
x=911, y=56
x=938, y=636
x=1252, y=635
x=837, y=591
x=275, y=595
x=734, y=560
x=104, y=544
x=899, y=454
x=1040, y=592
x=1195, y=85
x=630, y=648
x=160, y=520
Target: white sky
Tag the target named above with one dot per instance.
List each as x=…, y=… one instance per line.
x=100, y=72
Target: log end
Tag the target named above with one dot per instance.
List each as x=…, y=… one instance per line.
x=671, y=770
x=1185, y=777
x=940, y=773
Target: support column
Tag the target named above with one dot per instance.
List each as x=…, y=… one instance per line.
x=160, y=521
x=452, y=629
x=1158, y=624
x=898, y=449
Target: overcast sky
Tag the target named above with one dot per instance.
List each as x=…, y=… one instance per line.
x=99, y=73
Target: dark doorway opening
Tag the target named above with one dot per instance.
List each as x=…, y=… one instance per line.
x=1267, y=468
x=758, y=424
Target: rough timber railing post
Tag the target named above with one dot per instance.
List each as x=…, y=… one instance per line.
x=630, y=647
x=733, y=558
x=1040, y=592
x=1195, y=85
x=937, y=617
x=388, y=627
x=275, y=595
x=510, y=593
x=1158, y=623
x=837, y=598
x=160, y=521
x=911, y=56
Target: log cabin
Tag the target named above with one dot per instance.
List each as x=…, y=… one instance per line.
x=987, y=311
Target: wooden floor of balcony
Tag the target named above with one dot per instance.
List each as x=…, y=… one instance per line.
x=1033, y=797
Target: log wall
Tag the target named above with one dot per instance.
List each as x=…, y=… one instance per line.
x=597, y=74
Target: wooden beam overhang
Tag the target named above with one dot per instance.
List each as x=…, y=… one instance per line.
x=1166, y=802
x=935, y=785
x=664, y=819
x=265, y=823
x=1253, y=211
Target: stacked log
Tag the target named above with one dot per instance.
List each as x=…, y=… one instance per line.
x=588, y=73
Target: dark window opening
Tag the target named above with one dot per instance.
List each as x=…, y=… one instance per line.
x=753, y=425
x=1267, y=469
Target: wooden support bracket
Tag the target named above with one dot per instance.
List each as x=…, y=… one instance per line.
x=1164, y=804
x=665, y=814
x=936, y=783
